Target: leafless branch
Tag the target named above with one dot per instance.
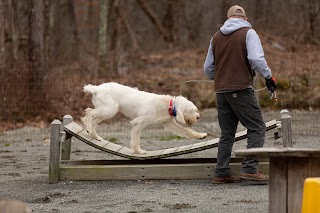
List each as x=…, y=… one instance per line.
x=155, y=20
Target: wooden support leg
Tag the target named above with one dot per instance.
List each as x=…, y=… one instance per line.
x=286, y=128
x=66, y=142
x=278, y=175
x=54, y=160
x=287, y=176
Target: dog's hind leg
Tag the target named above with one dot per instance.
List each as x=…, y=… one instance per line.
x=95, y=121
x=104, y=111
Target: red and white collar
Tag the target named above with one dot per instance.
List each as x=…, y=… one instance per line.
x=172, y=108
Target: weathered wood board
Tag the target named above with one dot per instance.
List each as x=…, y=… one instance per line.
x=127, y=170
x=80, y=133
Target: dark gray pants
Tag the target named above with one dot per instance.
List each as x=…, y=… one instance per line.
x=233, y=107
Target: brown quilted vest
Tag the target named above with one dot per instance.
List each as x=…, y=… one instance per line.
x=232, y=68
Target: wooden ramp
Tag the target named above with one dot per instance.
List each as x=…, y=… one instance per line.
x=122, y=151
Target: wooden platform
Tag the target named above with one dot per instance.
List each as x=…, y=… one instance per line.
x=289, y=167
x=122, y=151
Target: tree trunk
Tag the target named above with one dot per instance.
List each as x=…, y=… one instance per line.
x=269, y=23
x=314, y=11
x=64, y=48
x=91, y=34
x=175, y=21
x=226, y=4
x=259, y=13
x=2, y=39
x=14, y=29
x=36, y=55
x=104, y=6
x=118, y=46
x=122, y=14
x=47, y=32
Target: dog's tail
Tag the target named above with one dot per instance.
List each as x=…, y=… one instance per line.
x=89, y=88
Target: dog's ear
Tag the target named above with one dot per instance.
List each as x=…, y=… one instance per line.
x=180, y=116
x=180, y=102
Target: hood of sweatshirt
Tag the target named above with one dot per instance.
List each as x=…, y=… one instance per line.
x=233, y=24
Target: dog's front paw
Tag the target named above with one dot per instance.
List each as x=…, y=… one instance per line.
x=202, y=135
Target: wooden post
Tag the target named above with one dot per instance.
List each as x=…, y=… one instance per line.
x=66, y=142
x=54, y=151
x=286, y=128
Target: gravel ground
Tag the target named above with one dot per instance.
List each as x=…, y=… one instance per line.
x=24, y=155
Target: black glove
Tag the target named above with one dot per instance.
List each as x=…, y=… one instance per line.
x=271, y=84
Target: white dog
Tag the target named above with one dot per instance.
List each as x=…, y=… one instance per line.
x=143, y=108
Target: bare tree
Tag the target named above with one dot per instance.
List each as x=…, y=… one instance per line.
x=64, y=48
x=122, y=13
x=155, y=20
x=173, y=19
x=104, y=6
x=14, y=25
x=36, y=54
x=47, y=35
x=90, y=20
x=226, y=4
x=117, y=44
x=313, y=15
x=259, y=12
x=2, y=38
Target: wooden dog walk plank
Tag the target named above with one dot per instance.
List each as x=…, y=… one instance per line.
x=115, y=149
x=84, y=136
x=168, y=152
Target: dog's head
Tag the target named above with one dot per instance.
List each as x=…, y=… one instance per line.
x=187, y=112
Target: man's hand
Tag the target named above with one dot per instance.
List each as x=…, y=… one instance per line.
x=271, y=84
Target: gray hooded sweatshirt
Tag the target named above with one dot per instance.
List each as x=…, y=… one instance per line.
x=254, y=49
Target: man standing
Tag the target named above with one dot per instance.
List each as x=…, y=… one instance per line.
x=234, y=54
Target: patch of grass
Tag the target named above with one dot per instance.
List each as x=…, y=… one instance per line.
x=113, y=139
x=171, y=137
x=283, y=84
x=7, y=144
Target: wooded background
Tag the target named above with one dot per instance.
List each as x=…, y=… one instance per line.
x=50, y=48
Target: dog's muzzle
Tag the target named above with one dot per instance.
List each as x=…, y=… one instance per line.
x=189, y=122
